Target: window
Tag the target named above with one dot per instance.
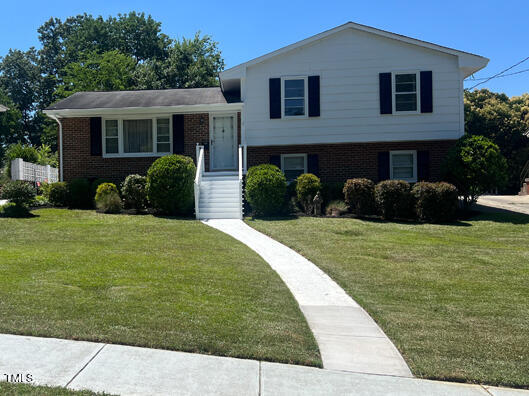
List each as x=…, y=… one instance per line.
x=294, y=92
x=405, y=91
x=137, y=137
x=293, y=165
x=403, y=165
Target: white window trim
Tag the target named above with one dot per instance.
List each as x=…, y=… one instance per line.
x=121, y=153
x=414, y=152
x=417, y=91
x=305, y=99
x=283, y=156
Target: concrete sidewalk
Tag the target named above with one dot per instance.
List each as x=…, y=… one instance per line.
x=513, y=203
x=126, y=370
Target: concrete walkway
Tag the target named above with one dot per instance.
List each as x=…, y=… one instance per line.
x=513, y=203
x=125, y=370
x=348, y=338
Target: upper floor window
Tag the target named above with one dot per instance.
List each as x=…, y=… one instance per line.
x=405, y=92
x=403, y=165
x=294, y=96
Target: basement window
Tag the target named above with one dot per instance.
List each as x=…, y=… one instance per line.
x=293, y=165
x=403, y=165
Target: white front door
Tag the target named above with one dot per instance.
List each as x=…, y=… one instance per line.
x=223, y=142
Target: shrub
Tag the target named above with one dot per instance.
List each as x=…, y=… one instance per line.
x=19, y=192
x=435, y=202
x=79, y=194
x=58, y=194
x=19, y=150
x=95, y=184
x=393, y=199
x=107, y=198
x=170, y=184
x=11, y=209
x=307, y=186
x=45, y=189
x=41, y=200
x=133, y=192
x=266, y=187
x=475, y=165
x=360, y=196
x=336, y=208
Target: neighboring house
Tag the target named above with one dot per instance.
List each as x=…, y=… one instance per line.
x=3, y=108
x=353, y=101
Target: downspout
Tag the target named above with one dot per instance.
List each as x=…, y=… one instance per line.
x=60, y=145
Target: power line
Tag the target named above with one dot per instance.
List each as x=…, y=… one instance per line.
x=503, y=75
x=498, y=74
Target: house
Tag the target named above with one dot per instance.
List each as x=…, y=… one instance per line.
x=353, y=101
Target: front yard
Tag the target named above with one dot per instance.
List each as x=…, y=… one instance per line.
x=453, y=298
x=147, y=281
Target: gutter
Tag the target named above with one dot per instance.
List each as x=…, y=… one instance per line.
x=53, y=117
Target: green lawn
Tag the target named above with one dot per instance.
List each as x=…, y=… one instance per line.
x=148, y=281
x=13, y=389
x=453, y=298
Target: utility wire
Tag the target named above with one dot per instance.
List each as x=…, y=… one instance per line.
x=503, y=75
x=498, y=74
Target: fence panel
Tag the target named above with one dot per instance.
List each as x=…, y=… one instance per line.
x=27, y=171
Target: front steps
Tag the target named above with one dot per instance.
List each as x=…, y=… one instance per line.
x=220, y=196
x=525, y=188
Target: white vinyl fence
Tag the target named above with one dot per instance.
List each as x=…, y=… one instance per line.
x=21, y=170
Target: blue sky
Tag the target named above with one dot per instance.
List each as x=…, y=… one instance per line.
x=247, y=29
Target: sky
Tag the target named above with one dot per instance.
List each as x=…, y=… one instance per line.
x=248, y=29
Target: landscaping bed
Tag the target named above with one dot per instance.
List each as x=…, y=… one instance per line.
x=453, y=298
x=149, y=281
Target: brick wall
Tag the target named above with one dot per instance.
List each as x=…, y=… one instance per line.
x=339, y=162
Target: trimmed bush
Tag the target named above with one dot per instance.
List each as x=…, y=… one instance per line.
x=133, y=191
x=79, y=194
x=435, y=202
x=107, y=198
x=19, y=192
x=393, y=199
x=360, y=196
x=58, y=194
x=307, y=186
x=11, y=209
x=95, y=184
x=266, y=187
x=170, y=184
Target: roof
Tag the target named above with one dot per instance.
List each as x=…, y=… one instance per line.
x=141, y=99
x=469, y=63
x=3, y=108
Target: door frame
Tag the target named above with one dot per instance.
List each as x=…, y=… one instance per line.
x=235, y=140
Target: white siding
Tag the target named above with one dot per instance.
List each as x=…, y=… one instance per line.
x=349, y=63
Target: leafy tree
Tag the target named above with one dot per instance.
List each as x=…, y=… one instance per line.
x=503, y=120
x=11, y=127
x=475, y=165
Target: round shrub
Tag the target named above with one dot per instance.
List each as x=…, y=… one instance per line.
x=10, y=209
x=133, y=191
x=393, y=199
x=107, y=198
x=19, y=192
x=95, y=184
x=79, y=194
x=58, y=194
x=360, y=196
x=266, y=187
x=435, y=202
x=170, y=184
x=307, y=186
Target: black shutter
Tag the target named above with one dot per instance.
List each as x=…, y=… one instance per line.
x=178, y=134
x=383, y=165
x=423, y=165
x=313, y=165
x=275, y=97
x=314, y=96
x=385, y=93
x=96, y=136
x=426, y=92
x=275, y=160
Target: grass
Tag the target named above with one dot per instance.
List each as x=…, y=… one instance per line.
x=15, y=389
x=148, y=281
x=453, y=298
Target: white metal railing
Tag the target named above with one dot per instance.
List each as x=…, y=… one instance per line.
x=198, y=177
x=21, y=170
x=241, y=166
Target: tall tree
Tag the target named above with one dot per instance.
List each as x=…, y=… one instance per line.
x=11, y=127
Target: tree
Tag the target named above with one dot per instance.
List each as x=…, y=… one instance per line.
x=475, y=165
x=11, y=127
x=503, y=120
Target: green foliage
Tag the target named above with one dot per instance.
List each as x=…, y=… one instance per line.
x=170, y=184
x=475, y=165
x=134, y=192
x=79, y=194
x=435, y=202
x=393, y=199
x=266, y=187
x=95, y=184
x=45, y=156
x=11, y=126
x=332, y=191
x=11, y=209
x=107, y=198
x=307, y=186
x=19, y=192
x=58, y=194
x=41, y=200
x=336, y=208
x=360, y=196
x=19, y=150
